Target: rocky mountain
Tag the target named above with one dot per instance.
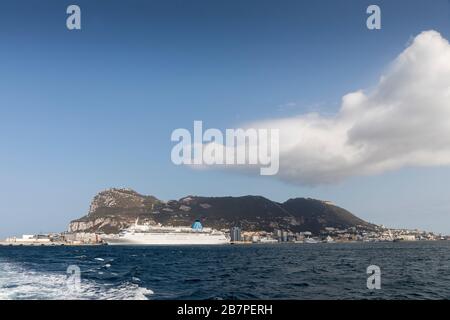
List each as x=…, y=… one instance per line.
x=115, y=209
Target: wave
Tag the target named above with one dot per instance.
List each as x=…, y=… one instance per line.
x=17, y=282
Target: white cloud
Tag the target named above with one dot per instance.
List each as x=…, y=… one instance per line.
x=403, y=121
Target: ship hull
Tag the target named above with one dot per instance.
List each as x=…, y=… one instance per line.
x=167, y=239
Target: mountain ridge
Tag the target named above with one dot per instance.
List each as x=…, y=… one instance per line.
x=114, y=209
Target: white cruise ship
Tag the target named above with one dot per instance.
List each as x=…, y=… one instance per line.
x=159, y=235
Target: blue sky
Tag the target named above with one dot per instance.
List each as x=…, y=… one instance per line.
x=82, y=111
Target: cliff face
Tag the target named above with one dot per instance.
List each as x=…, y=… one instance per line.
x=116, y=209
x=122, y=202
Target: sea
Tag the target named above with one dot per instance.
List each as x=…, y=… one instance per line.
x=408, y=270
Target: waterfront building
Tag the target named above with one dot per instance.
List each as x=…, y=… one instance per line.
x=235, y=234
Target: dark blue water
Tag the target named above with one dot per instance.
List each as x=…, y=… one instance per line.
x=415, y=270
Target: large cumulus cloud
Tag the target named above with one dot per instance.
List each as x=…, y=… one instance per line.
x=403, y=121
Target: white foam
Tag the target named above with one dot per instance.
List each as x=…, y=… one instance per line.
x=17, y=282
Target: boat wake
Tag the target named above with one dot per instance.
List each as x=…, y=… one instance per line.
x=17, y=282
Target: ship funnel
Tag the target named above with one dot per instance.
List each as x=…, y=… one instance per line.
x=197, y=225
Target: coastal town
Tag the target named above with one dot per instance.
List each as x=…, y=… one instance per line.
x=330, y=234
x=238, y=236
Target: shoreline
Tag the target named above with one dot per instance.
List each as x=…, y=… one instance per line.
x=63, y=244
x=45, y=244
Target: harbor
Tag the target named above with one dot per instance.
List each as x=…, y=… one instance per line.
x=196, y=234
x=54, y=239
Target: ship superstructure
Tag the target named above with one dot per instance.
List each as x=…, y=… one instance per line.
x=166, y=235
